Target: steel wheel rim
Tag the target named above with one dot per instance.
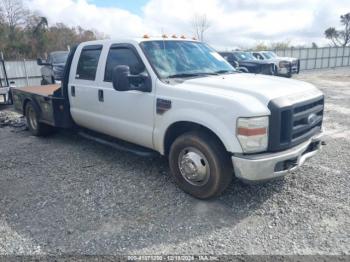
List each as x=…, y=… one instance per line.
x=194, y=166
x=32, y=118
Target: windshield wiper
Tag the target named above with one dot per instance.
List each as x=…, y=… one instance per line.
x=184, y=75
x=224, y=72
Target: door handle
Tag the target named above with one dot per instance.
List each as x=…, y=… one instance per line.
x=72, y=90
x=100, y=95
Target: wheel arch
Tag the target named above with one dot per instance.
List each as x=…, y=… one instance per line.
x=30, y=100
x=181, y=127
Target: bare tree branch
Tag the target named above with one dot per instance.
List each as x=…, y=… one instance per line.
x=200, y=25
x=13, y=13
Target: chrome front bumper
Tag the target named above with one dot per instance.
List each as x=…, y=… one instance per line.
x=253, y=168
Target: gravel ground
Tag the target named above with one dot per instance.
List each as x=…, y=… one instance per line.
x=68, y=195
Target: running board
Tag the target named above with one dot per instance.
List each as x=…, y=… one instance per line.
x=118, y=144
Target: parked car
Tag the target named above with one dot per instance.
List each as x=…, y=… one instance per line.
x=53, y=68
x=284, y=66
x=181, y=99
x=246, y=62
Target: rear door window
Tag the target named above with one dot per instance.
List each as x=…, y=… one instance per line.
x=88, y=62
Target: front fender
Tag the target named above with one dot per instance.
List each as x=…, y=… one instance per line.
x=225, y=131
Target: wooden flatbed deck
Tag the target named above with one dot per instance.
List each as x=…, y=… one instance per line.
x=47, y=90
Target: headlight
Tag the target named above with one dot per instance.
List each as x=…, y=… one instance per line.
x=252, y=134
x=284, y=64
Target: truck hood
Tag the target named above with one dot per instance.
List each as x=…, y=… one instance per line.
x=262, y=87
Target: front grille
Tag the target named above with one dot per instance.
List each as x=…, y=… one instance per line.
x=291, y=125
x=295, y=66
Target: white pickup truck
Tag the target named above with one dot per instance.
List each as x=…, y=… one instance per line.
x=181, y=99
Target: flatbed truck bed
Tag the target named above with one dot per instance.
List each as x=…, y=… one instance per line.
x=47, y=90
x=50, y=105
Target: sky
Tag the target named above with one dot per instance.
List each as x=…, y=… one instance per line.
x=233, y=23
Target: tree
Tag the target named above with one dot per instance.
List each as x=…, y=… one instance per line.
x=24, y=34
x=261, y=47
x=36, y=31
x=281, y=45
x=13, y=13
x=200, y=25
x=340, y=37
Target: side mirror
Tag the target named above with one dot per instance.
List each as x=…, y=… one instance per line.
x=123, y=81
x=120, y=78
x=235, y=64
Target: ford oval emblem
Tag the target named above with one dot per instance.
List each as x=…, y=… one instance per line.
x=311, y=120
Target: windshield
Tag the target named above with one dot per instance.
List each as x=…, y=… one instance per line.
x=269, y=55
x=184, y=58
x=59, y=58
x=272, y=54
x=266, y=55
x=243, y=56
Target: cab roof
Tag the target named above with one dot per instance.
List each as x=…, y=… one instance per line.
x=136, y=40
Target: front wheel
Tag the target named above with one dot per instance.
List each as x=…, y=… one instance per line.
x=200, y=165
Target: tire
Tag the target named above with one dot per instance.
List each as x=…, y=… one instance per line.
x=274, y=70
x=33, y=124
x=203, y=149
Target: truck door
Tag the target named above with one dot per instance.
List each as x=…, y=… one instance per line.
x=126, y=115
x=82, y=87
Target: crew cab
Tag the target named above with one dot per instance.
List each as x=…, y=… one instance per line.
x=183, y=100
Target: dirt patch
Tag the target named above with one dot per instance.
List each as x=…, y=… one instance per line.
x=12, y=119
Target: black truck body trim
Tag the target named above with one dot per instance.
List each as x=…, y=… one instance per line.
x=163, y=105
x=290, y=124
x=93, y=47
